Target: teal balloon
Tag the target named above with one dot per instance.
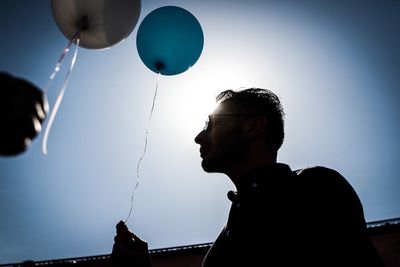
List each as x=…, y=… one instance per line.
x=169, y=40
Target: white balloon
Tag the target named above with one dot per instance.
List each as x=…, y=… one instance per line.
x=100, y=23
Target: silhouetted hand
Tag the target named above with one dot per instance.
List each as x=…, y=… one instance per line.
x=23, y=108
x=129, y=250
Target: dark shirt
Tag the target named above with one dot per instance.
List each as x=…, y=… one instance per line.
x=278, y=217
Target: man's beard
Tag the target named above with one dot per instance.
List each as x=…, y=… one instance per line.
x=227, y=155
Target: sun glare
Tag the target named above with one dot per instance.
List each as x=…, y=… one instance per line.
x=193, y=97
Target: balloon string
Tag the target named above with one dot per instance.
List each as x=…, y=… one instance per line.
x=60, y=61
x=144, y=150
x=63, y=87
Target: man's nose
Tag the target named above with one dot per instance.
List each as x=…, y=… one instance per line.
x=199, y=139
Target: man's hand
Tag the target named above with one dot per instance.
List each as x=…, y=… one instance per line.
x=128, y=249
x=23, y=108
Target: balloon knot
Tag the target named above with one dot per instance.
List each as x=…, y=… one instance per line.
x=83, y=23
x=159, y=66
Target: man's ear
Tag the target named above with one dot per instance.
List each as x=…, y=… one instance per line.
x=256, y=126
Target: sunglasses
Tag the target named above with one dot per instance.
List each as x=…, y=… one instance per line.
x=208, y=123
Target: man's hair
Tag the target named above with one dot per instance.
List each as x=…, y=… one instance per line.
x=261, y=102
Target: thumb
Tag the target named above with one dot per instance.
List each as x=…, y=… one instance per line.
x=122, y=229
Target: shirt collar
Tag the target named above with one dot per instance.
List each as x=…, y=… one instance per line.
x=267, y=176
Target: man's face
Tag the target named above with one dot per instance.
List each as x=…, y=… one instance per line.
x=223, y=143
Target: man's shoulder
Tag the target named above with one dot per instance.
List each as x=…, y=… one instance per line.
x=316, y=170
x=320, y=175
x=324, y=194
x=324, y=182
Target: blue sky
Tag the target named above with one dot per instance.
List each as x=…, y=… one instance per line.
x=335, y=66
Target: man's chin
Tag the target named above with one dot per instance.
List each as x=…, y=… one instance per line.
x=209, y=166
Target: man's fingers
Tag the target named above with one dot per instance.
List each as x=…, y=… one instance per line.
x=126, y=236
x=137, y=239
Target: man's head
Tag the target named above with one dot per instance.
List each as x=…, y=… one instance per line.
x=246, y=127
